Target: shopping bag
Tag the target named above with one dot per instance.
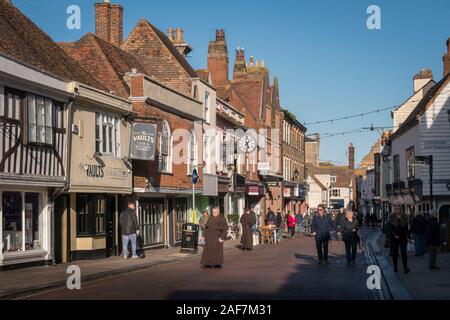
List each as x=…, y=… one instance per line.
x=411, y=247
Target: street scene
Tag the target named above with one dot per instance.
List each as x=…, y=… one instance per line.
x=281, y=151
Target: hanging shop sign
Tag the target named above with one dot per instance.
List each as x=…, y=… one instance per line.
x=143, y=141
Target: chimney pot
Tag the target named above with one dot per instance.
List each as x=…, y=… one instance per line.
x=170, y=34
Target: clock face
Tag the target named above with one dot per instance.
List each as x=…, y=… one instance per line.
x=247, y=144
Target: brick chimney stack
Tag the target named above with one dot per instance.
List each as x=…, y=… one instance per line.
x=446, y=59
x=240, y=67
x=422, y=78
x=351, y=157
x=218, y=63
x=109, y=22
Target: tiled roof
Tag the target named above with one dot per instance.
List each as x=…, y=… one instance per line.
x=23, y=41
x=108, y=62
x=165, y=39
x=203, y=74
x=343, y=174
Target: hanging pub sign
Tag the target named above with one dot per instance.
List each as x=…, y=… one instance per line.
x=143, y=141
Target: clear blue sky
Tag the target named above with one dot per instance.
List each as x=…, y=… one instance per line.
x=328, y=62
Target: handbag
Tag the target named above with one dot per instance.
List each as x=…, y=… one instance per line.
x=411, y=247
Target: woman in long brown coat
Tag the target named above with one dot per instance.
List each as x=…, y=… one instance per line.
x=216, y=233
x=248, y=219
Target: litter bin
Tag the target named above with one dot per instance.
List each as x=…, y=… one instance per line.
x=189, y=238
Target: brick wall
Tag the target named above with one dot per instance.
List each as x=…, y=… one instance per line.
x=144, y=43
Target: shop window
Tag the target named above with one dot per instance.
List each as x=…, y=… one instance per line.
x=82, y=215
x=107, y=139
x=21, y=221
x=92, y=212
x=151, y=221
x=100, y=214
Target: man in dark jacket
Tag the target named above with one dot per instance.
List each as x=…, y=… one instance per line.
x=320, y=227
x=399, y=235
x=279, y=225
x=418, y=226
x=433, y=238
x=130, y=229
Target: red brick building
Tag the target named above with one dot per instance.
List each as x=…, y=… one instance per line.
x=251, y=92
x=163, y=187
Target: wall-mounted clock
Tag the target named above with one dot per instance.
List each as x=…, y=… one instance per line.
x=247, y=144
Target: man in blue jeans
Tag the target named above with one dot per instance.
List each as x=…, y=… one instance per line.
x=130, y=229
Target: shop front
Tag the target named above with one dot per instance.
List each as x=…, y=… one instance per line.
x=26, y=231
x=100, y=181
x=32, y=166
x=162, y=212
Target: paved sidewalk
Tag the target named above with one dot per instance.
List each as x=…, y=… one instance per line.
x=26, y=281
x=423, y=283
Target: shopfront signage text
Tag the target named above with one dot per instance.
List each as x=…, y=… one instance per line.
x=95, y=171
x=143, y=141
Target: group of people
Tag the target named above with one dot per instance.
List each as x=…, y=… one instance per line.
x=400, y=229
x=346, y=226
x=424, y=233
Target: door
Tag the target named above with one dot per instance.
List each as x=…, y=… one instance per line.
x=110, y=226
x=170, y=219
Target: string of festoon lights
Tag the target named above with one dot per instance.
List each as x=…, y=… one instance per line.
x=349, y=116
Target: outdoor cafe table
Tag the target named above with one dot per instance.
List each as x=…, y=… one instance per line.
x=272, y=229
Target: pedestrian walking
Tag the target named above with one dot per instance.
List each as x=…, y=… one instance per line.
x=418, y=227
x=349, y=229
x=292, y=222
x=320, y=227
x=399, y=234
x=215, y=235
x=248, y=220
x=307, y=223
x=360, y=219
x=340, y=218
x=299, y=219
x=130, y=229
x=433, y=238
x=279, y=225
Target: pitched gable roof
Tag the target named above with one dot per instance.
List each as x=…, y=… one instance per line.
x=24, y=42
x=343, y=174
x=106, y=61
x=160, y=57
x=317, y=181
x=421, y=107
